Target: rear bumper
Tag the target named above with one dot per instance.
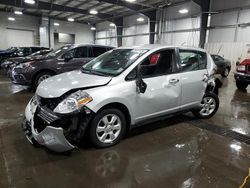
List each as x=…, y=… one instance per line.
x=51, y=137
x=242, y=77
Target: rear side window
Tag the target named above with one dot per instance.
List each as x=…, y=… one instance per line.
x=192, y=60
x=98, y=51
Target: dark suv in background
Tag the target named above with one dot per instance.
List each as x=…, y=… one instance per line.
x=64, y=59
x=18, y=52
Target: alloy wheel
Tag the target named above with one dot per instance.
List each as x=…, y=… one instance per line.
x=42, y=78
x=108, y=128
x=208, y=106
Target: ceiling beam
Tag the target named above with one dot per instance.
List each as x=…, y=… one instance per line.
x=64, y=4
x=40, y=15
x=41, y=5
x=131, y=6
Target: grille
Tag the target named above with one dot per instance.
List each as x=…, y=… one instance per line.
x=46, y=116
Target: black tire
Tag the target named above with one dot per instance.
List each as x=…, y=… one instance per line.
x=198, y=113
x=38, y=76
x=225, y=73
x=241, y=85
x=97, y=119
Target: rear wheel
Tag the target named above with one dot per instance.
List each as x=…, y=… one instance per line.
x=41, y=77
x=226, y=72
x=209, y=106
x=107, y=128
x=241, y=85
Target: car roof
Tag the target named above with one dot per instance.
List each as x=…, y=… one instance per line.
x=160, y=46
x=95, y=45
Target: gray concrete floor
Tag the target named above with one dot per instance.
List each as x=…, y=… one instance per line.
x=171, y=153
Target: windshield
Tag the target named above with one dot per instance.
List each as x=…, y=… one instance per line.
x=11, y=49
x=113, y=62
x=58, y=51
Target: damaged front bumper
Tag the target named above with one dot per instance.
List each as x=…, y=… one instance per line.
x=47, y=129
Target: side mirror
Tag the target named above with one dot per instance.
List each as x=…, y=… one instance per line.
x=141, y=86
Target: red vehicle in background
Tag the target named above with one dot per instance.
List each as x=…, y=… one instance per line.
x=242, y=74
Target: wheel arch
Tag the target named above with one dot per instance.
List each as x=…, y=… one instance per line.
x=40, y=71
x=123, y=108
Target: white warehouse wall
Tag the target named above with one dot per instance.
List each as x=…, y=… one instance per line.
x=82, y=32
x=23, y=22
x=177, y=29
x=229, y=34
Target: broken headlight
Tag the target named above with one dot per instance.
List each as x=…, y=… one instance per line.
x=73, y=102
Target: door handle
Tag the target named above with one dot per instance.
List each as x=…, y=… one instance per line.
x=173, y=81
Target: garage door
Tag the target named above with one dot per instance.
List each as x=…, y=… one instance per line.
x=20, y=37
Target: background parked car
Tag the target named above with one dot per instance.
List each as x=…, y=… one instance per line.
x=66, y=58
x=9, y=63
x=242, y=74
x=223, y=65
x=18, y=52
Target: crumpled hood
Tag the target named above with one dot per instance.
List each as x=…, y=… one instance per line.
x=56, y=86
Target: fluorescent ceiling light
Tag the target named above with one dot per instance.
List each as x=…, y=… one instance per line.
x=18, y=12
x=140, y=19
x=56, y=24
x=11, y=19
x=112, y=25
x=93, y=28
x=93, y=11
x=130, y=1
x=30, y=2
x=183, y=11
x=71, y=19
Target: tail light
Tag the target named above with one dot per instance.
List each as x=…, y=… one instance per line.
x=242, y=67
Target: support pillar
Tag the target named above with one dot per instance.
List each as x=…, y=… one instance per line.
x=119, y=30
x=152, y=25
x=205, y=8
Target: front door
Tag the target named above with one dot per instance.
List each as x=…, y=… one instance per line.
x=74, y=59
x=162, y=95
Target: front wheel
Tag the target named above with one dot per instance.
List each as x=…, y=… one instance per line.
x=41, y=77
x=107, y=128
x=209, y=106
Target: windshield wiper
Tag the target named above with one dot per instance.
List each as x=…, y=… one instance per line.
x=91, y=71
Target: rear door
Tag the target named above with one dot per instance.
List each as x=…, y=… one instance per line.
x=98, y=50
x=193, y=76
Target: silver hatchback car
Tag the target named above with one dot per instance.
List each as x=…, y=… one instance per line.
x=121, y=89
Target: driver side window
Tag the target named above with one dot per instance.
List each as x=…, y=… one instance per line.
x=69, y=54
x=159, y=63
